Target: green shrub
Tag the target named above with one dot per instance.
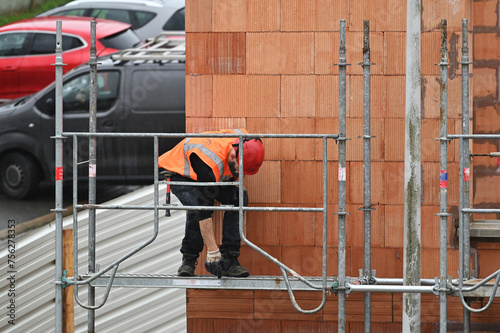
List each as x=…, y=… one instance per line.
x=35, y=10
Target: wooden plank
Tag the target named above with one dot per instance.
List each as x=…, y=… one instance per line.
x=68, y=301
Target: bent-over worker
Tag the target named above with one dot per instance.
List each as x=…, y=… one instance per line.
x=211, y=160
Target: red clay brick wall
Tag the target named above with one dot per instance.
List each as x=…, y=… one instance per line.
x=269, y=66
x=486, y=101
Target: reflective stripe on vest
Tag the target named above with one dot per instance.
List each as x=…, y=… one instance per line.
x=207, y=152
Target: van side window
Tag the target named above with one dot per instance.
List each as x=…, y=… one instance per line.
x=153, y=91
x=76, y=94
x=108, y=84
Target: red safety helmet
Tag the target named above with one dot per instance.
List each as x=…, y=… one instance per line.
x=253, y=154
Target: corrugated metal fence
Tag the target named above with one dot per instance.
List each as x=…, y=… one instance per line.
x=127, y=309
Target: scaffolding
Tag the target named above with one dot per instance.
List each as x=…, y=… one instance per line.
x=464, y=287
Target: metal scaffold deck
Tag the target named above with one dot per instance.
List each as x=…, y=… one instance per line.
x=266, y=282
x=466, y=286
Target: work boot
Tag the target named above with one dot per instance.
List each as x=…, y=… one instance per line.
x=189, y=262
x=231, y=265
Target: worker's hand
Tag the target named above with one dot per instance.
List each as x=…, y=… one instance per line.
x=214, y=262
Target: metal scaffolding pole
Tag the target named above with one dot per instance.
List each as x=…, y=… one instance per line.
x=92, y=171
x=443, y=181
x=413, y=174
x=367, y=207
x=342, y=181
x=464, y=161
x=59, y=179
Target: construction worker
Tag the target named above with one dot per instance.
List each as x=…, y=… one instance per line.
x=211, y=160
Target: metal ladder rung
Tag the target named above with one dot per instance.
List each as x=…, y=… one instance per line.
x=163, y=47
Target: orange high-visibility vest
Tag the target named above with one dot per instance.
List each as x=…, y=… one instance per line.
x=212, y=151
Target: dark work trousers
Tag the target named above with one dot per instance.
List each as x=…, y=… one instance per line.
x=205, y=196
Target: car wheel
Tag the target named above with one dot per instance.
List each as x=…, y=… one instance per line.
x=20, y=176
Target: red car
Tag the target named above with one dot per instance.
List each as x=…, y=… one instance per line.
x=27, y=49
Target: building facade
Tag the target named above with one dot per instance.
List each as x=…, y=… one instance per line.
x=270, y=66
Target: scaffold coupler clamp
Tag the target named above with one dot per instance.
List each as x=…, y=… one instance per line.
x=334, y=288
x=341, y=138
x=366, y=278
x=362, y=279
x=436, y=289
x=450, y=286
x=372, y=279
x=347, y=286
x=443, y=138
x=65, y=282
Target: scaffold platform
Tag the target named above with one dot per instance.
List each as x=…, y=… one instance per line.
x=261, y=282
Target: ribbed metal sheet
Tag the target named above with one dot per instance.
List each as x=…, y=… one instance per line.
x=118, y=232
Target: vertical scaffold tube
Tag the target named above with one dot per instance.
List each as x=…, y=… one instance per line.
x=412, y=173
x=367, y=169
x=325, y=213
x=443, y=180
x=342, y=180
x=59, y=180
x=92, y=171
x=465, y=169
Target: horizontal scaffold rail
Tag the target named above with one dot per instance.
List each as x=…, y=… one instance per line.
x=218, y=208
x=262, y=282
x=474, y=136
x=200, y=135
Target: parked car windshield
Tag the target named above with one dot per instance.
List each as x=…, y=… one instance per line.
x=122, y=40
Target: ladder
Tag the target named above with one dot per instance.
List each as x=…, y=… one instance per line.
x=167, y=46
